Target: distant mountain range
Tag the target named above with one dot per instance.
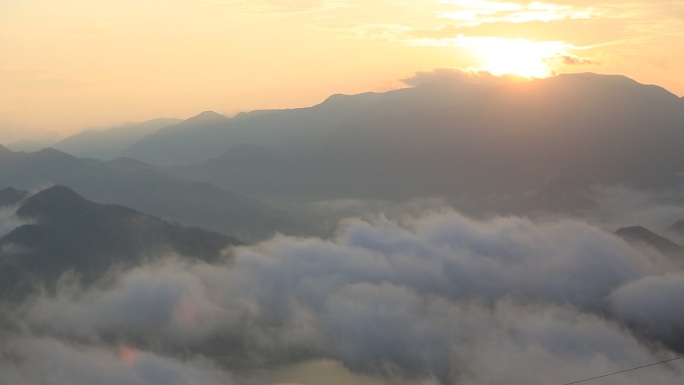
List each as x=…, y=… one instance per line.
x=30, y=145
x=486, y=146
x=110, y=143
x=511, y=143
x=10, y=196
x=209, y=134
x=192, y=203
x=66, y=232
x=5, y=152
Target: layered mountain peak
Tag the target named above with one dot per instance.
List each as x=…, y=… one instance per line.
x=10, y=196
x=207, y=116
x=53, y=202
x=642, y=235
x=678, y=226
x=70, y=233
x=4, y=151
x=589, y=84
x=53, y=155
x=110, y=142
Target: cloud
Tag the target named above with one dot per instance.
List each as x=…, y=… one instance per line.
x=471, y=343
x=653, y=306
x=276, y=7
x=51, y=361
x=9, y=220
x=439, y=298
x=166, y=299
x=619, y=206
x=448, y=23
x=576, y=31
x=500, y=54
x=391, y=32
x=573, y=60
x=474, y=12
x=451, y=76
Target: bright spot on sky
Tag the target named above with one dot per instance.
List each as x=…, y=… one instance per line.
x=521, y=57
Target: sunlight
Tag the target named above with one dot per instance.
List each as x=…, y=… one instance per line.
x=520, y=57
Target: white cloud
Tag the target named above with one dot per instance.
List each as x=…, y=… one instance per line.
x=619, y=206
x=279, y=7
x=449, y=76
x=653, y=305
x=475, y=12
x=9, y=220
x=53, y=362
x=438, y=298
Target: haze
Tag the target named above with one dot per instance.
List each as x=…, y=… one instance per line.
x=454, y=192
x=67, y=65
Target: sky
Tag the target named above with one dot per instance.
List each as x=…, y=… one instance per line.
x=68, y=65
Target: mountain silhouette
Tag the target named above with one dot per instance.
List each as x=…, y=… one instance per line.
x=5, y=152
x=145, y=189
x=644, y=236
x=492, y=146
x=69, y=233
x=208, y=135
x=108, y=143
x=503, y=142
x=10, y=196
x=678, y=227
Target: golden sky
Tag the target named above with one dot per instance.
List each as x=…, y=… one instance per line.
x=66, y=65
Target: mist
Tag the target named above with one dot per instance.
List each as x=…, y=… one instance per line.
x=30, y=360
x=620, y=205
x=426, y=192
x=435, y=298
x=9, y=220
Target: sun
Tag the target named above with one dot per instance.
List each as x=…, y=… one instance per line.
x=521, y=57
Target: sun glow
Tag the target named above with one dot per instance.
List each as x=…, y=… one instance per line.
x=519, y=57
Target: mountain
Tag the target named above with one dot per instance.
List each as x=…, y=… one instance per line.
x=10, y=196
x=497, y=144
x=209, y=134
x=5, y=152
x=109, y=143
x=192, y=203
x=678, y=227
x=30, y=145
x=130, y=164
x=70, y=233
x=642, y=236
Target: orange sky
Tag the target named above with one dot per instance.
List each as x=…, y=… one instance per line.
x=66, y=65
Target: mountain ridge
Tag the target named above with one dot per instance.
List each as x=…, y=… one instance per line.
x=523, y=136
x=4, y=151
x=146, y=189
x=194, y=142
x=108, y=143
x=642, y=235
x=66, y=232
